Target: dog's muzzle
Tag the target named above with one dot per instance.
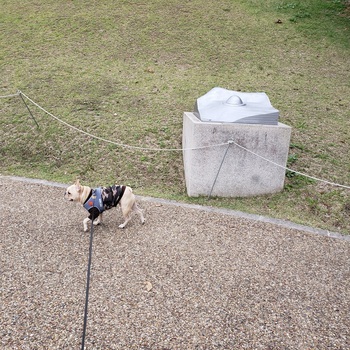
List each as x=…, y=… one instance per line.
x=65, y=197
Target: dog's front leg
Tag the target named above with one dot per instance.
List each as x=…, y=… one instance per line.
x=98, y=220
x=85, y=223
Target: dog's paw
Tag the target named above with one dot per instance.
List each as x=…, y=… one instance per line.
x=121, y=226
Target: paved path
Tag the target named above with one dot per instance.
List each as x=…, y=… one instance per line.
x=190, y=278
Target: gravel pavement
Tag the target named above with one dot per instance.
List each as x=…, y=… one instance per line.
x=190, y=278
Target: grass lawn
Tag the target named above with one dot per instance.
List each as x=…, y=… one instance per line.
x=127, y=70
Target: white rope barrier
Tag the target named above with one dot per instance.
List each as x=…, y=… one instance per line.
x=285, y=168
x=8, y=96
x=116, y=143
x=173, y=149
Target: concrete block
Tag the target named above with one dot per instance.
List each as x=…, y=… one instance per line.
x=242, y=174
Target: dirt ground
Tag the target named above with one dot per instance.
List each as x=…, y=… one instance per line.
x=190, y=278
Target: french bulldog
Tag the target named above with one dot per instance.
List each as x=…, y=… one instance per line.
x=97, y=200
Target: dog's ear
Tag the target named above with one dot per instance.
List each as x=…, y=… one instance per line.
x=77, y=185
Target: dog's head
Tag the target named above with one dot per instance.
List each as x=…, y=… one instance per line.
x=74, y=192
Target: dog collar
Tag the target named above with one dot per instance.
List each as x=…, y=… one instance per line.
x=95, y=200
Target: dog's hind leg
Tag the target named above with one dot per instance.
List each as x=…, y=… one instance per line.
x=127, y=214
x=137, y=210
x=127, y=210
x=124, y=223
x=127, y=217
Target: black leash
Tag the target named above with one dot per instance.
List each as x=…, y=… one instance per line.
x=87, y=284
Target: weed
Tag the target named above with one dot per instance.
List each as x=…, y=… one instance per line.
x=297, y=146
x=302, y=125
x=292, y=158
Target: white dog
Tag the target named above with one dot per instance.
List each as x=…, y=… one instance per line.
x=97, y=200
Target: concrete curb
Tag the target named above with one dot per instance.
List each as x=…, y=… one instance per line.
x=230, y=212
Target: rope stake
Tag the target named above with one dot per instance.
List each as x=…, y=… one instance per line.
x=222, y=162
x=30, y=112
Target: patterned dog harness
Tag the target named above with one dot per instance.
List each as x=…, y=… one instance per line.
x=103, y=198
x=95, y=200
